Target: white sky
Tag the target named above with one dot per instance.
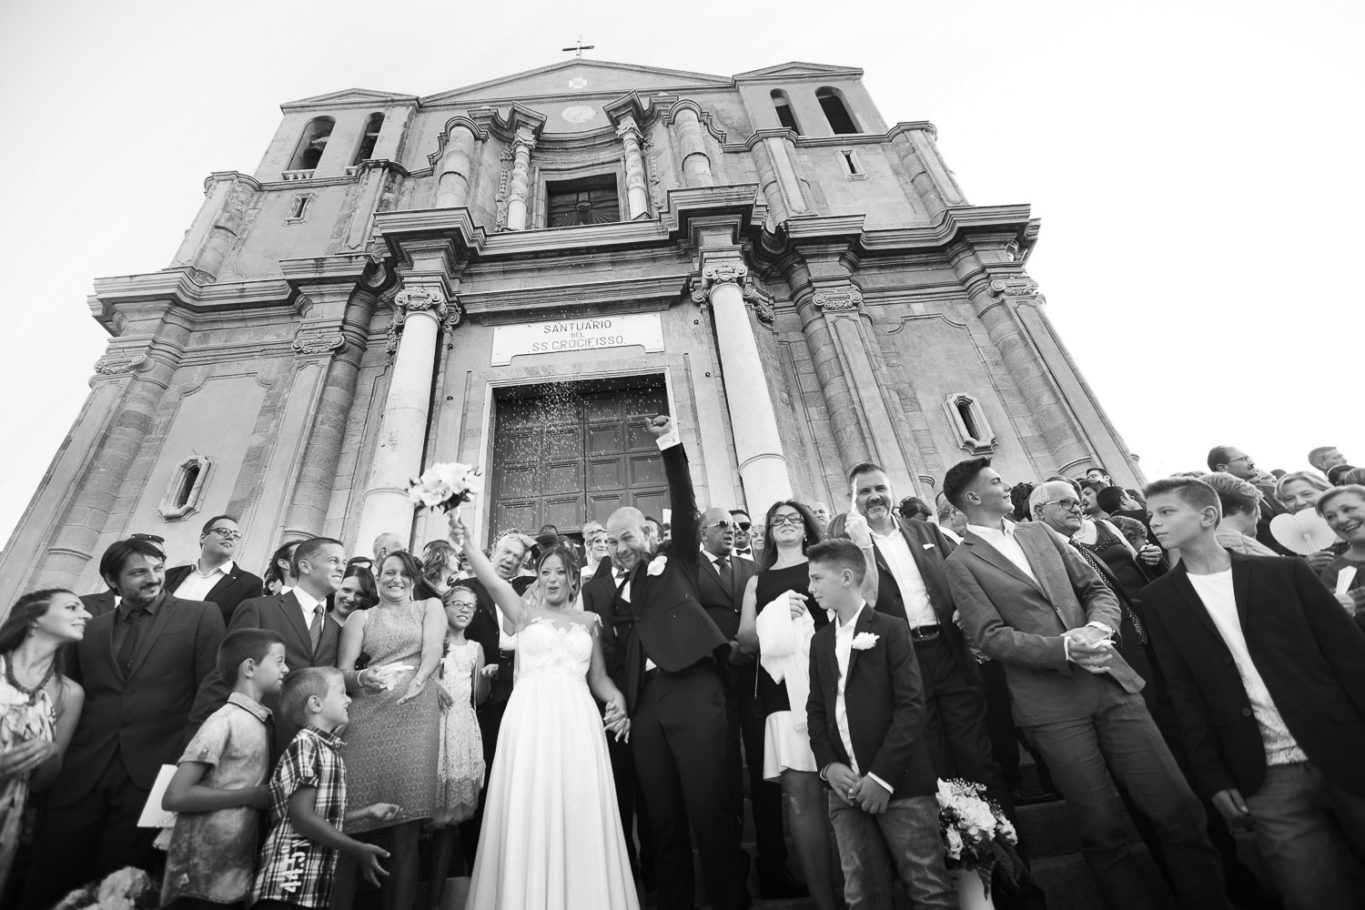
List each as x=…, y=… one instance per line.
x=1196, y=165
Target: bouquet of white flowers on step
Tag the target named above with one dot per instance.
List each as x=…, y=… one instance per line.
x=126, y=889
x=445, y=486
x=976, y=832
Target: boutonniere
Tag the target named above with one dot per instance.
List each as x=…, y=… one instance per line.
x=864, y=641
x=657, y=566
x=928, y=546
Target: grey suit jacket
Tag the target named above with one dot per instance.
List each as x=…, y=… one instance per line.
x=1020, y=622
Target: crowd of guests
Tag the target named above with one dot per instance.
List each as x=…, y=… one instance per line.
x=1160, y=653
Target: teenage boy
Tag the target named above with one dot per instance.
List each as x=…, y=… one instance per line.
x=1267, y=676
x=219, y=785
x=308, y=801
x=866, y=716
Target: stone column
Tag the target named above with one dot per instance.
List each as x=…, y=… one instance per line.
x=758, y=446
x=346, y=346
x=457, y=166
x=403, y=427
x=637, y=195
x=696, y=164
x=520, y=186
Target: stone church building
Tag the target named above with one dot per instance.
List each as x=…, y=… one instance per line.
x=516, y=274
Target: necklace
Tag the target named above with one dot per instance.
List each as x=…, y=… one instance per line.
x=36, y=690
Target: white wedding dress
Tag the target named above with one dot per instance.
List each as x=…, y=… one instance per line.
x=551, y=834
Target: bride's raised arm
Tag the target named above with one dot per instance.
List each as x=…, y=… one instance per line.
x=506, y=597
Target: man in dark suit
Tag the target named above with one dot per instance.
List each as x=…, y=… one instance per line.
x=675, y=695
x=141, y=666
x=1030, y=601
x=1267, y=675
x=215, y=577
x=911, y=585
x=721, y=579
x=299, y=617
x=867, y=719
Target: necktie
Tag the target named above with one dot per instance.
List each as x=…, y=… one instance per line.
x=128, y=650
x=315, y=627
x=1108, y=578
x=727, y=575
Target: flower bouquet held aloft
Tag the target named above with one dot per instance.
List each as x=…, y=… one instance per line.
x=445, y=486
x=976, y=833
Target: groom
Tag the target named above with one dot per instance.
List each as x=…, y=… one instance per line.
x=673, y=689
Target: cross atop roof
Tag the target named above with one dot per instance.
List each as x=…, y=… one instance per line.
x=580, y=47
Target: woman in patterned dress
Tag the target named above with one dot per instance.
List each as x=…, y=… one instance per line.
x=394, y=738
x=39, y=706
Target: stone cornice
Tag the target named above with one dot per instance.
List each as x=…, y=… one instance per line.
x=607, y=296
x=178, y=287
x=1006, y=221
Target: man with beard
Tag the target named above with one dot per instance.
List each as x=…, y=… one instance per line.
x=299, y=617
x=215, y=577
x=675, y=695
x=141, y=665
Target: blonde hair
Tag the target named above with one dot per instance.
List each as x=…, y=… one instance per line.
x=1307, y=477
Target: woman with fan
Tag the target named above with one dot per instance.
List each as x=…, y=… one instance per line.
x=1299, y=493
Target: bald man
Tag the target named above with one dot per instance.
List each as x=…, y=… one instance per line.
x=387, y=543
x=674, y=656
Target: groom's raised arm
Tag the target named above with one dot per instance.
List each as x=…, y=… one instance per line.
x=686, y=521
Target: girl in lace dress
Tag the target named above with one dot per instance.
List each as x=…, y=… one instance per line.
x=461, y=768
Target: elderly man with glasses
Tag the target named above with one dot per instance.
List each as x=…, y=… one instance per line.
x=215, y=576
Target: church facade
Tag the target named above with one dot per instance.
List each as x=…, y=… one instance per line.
x=517, y=274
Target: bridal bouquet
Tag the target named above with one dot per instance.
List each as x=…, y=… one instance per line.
x=445, y=486
x=126, y=889
x=976, y=833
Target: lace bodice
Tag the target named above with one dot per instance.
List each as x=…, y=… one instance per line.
x=547, y=646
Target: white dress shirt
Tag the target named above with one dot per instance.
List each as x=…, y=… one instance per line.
x=197, y=585
x=1002, y=539
x=1216, y=592
x=895, y=549
x=843, y=650
x=307, y=602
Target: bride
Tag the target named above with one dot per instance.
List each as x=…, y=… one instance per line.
x=551, y=834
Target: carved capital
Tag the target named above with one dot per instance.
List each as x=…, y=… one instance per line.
x=420, y=298
x=316, y=341
x=1016, y=286
x=841, y=300
x=717, y=274
x=628, y=128
x=120, y=362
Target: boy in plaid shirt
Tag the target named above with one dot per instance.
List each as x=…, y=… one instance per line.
x=308, y=795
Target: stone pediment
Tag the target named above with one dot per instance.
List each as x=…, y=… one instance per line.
x=796, y=69
x=348, y=98
x=579, y=77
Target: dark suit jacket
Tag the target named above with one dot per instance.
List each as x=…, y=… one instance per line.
x=1307, y=650
x=237, y=586
x=884, y=698
x=599, y=596
x=141, y=717
x=281, y=614
x=98, y=604
x=483, y=628
x=1020, y=622
x=723, y=604
x=930, y=548
x=671, y=626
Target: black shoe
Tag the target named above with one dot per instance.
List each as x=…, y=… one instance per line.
x=778, y=884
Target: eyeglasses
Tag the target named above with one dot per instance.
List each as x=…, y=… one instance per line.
x=1066, y=504
x=723, y=524
x=227, y=533
x=743, y=525
x=793, y=520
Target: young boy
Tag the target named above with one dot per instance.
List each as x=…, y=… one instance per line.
x=218, y=787
x=1266, y=673
x=866, y=718
x=308, y=801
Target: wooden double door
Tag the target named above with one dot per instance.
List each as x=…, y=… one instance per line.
x=572, y=451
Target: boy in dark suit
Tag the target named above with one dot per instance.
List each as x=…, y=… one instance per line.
x=1266, y=672
x=866, y=717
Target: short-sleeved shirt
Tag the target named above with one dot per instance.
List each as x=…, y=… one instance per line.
x=294, y=869
x=213, y=854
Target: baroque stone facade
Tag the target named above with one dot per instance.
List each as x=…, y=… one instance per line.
x=805, y=285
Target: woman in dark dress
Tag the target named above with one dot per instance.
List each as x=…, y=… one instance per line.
x=782, y=583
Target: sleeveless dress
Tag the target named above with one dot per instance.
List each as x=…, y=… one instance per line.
x=392, y=750
x=24, y=716
x=551, y=837
x=784, y=746
x=461, y=769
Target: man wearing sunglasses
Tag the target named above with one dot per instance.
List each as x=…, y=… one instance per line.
x=740, y=525
x=215, y=577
